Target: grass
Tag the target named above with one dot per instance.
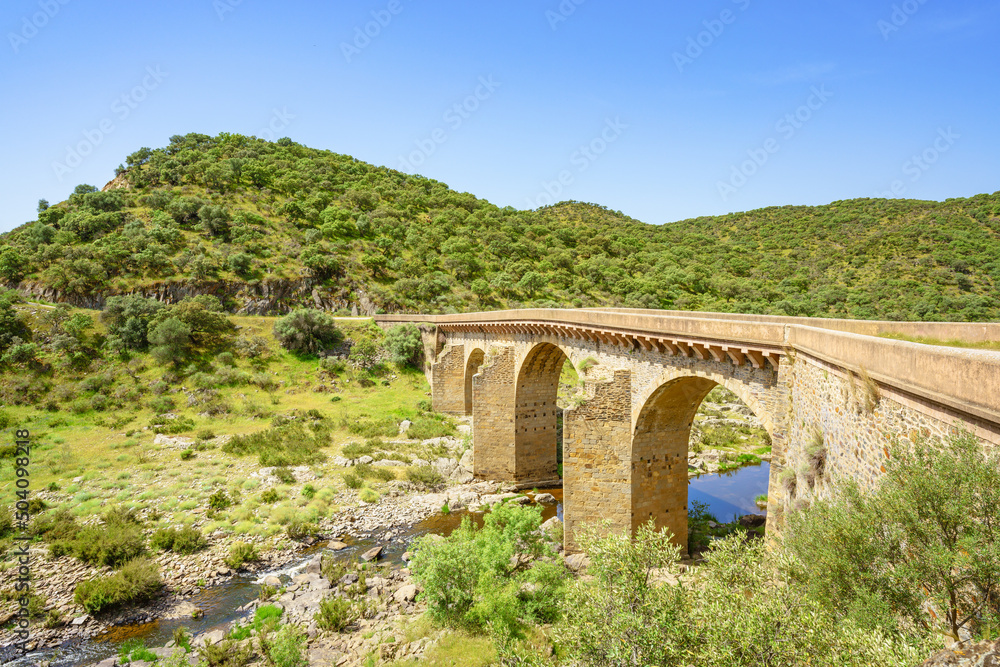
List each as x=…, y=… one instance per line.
x=456, y=649
x=137, y=580
x=924, y=340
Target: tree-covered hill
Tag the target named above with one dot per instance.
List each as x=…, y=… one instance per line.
x=268, y=226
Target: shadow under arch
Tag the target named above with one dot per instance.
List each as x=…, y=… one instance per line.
x=472, y=365
x=535, y=414
x=660, y=438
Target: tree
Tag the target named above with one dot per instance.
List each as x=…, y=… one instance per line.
x=214, y=220
x=929, y=532
x=127, y=319
x=11, y=264
x=170, y=341
x=42, y=204
x=209, y=328
x=307, y=331
x=404, y=344
x=12, y=328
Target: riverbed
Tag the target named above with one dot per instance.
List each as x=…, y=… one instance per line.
x=726, y=494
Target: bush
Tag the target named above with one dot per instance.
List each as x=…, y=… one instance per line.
x=938, y=509
x=270, y=497
x=187, y=454
x=356, y=450
x=307, y=331
x=404, y=344
x=137, y=580
x=352, y=481
x=285, y=445
x=308, y=491
x=336, y=613
x=241, y=553
x=219, y=500
x=298, y=529
x=426, y=476
x=471, y=578
x=384, y=427
x=284, y=647
x=110, y=544
x=425, y=428
x=184, y=540
x=368, y=495
x=284, y=475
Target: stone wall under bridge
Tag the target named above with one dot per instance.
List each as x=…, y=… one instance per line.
x=625, y=446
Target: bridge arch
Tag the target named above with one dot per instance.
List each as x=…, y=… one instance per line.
x=536, y=413
x=660, y=439
x=472, y=365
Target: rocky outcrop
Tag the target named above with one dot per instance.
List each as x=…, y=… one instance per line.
x=983, y=654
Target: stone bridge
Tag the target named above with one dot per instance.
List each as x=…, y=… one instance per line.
x=839, y=388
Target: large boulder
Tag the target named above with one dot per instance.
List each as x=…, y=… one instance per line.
x=983, y=654
x=467, y=460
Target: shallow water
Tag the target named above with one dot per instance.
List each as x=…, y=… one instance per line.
x=730, y=494
x=726, y=494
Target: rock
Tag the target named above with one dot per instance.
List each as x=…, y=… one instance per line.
x=420, y=463
x=467, y=461
x=445, y=466
x=272, y=581
x=303, y=578
x=388, y=463
x=407, y=556
x=364, y=460
x=494, y=498
x=176, y=442
x=464, y=429
x=341, y=461
x=404, y=426
x=544, y=498
x=80, y=620
x=335, y=545
x=406, y=593
x=550, y=524
x=577, y=562
x=967, y=655
x=371, y=554
x=213, y=637
x=753, y=520
x=315, y=565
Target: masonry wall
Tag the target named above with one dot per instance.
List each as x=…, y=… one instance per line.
x=535, y=415
x=448, y=380
x=493, y=416
x=597, y=459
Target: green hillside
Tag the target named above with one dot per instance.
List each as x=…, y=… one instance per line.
x=268, y=225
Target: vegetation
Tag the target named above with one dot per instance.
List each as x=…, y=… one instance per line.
x=184, y=540
x=137, y=580
x=241, y=553
x=203, y=210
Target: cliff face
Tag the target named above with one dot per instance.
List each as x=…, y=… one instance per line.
x=269, y=297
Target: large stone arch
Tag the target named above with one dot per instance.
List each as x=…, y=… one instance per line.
x=535, y=413
x=659, y=453
x=472, y=365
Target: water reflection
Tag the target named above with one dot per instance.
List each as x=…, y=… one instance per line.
x=731, y=493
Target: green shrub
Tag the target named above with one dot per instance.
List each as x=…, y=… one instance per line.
x=186, y=540
x=471, y=578
x=426, y=476
x=367, y=427
x=219, y=500
x=187, y=454
x=270, y=497
x=118, y=541
x=137, y=580
x=284, y=475
x=352, y=481
x=284, y=647
x=162, y=404
x=286, y=445
x=404, y=344
x=368, y=471
x=307, y=331
x=205, y=434
x=425, y=428
x=337, y=613
x=368, y=495
x=356, y=450
x=241, y=553
x=298, y=530
x=308, y=491
x=267, y=615
x=227, y=653
x=332, y=568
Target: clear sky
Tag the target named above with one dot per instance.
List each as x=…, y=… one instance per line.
x=663, y=110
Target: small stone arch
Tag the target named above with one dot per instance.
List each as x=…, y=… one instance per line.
x=472, y=364
x=535, y=413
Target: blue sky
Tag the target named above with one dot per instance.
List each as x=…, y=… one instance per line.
x=664, y=111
